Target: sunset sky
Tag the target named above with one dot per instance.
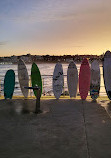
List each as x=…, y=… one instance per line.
x=55, y=27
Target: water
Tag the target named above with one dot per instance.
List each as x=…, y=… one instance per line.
x=46, y=72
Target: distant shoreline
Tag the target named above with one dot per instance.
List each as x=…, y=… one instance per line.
x=28, y=59
x=45, y=62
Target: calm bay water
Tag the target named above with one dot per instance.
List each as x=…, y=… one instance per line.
x=46, y=72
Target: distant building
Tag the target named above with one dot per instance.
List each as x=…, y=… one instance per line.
x=47, y=58
x=68, y=60
x=14, y=59
x=6, y=60
x=26, y=58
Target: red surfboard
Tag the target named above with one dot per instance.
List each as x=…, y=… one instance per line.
x=84, y=79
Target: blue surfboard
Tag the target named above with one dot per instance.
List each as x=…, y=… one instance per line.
x=9, y=84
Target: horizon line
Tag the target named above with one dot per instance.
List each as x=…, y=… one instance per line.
x=54, y=55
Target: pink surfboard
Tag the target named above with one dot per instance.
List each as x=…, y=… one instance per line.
x=84, y=79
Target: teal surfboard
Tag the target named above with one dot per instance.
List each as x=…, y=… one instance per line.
x=36, y=78
x=9, y=84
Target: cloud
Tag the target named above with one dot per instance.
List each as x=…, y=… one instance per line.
x=2, y=43
x=78, y=46
x=36, y=11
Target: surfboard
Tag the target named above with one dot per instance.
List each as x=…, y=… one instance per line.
x=58, y=80
x=84, y=79
x=72, y=79
x=36, y=78
x=23, y=77
x=9, y=84
x=95, y=80
x=107, y=73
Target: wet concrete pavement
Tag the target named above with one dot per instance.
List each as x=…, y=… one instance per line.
x=67, y=128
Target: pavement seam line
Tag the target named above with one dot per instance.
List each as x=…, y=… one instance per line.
x=87, y=145
x=108, y=113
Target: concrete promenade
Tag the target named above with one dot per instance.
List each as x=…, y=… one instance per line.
x=67, y=128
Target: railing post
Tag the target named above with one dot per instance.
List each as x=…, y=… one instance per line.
x=37, y=109
x=38, y=90
x=0, y=88
x=30, y=90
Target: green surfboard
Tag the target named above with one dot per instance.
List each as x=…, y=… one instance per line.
x=9, y=84
x=36, y=78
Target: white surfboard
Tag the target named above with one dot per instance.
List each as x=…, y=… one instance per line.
x=95, y=80
x=58, y=80
x=72, y=79
x=23, y=77
x=107, y=73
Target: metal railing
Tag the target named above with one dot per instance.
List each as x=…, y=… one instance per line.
x=47, y=86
